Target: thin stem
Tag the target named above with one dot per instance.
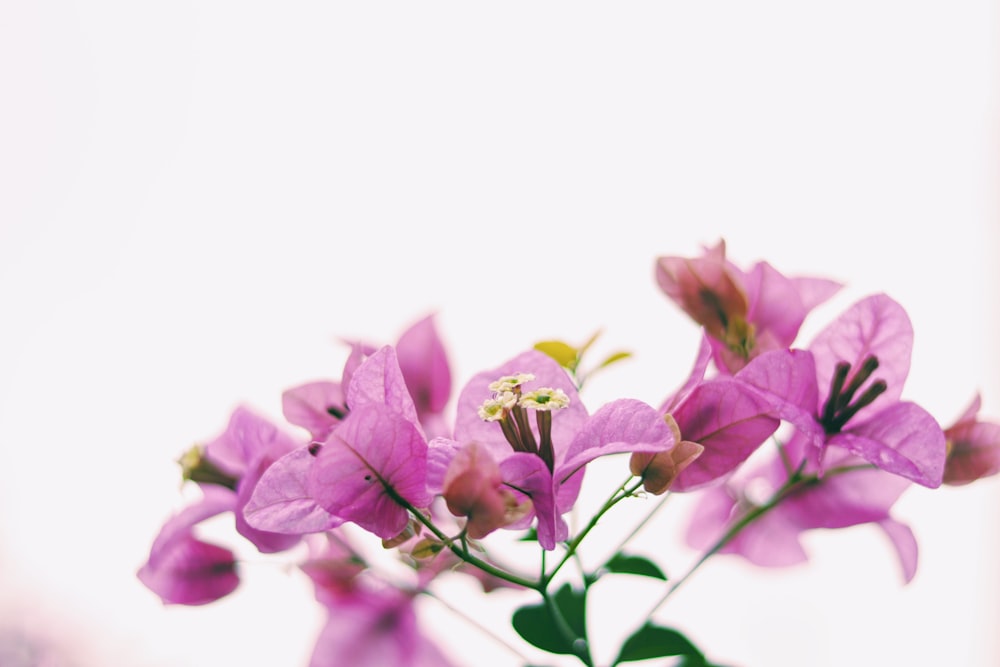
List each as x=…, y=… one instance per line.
x=785, y=461
x=623, y=491
x=479, y=626
x=579, y=645
x=642, y=524
x=795, y=482
x=458, y=551
x=722, y=541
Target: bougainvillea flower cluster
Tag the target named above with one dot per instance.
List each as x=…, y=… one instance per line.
x=773, y=437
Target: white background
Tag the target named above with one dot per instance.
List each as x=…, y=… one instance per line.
x=196, y=198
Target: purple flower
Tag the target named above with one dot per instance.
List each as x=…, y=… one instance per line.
x=183, y=569
x=248, y=446
x=850, y=493
x=374, y=628
x=368, y=623
x=373, y=459
x=528, y=416
x=719, y=423
x=744, y=313
x=834, y=396
x=973, y=448
x=319, y=406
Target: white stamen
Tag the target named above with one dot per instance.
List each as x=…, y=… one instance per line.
x=491, y=410
x=545, y=398
x=510, y=382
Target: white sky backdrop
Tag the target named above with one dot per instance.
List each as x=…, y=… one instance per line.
x=197, y=197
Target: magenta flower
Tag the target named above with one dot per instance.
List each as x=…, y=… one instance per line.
x=374, y=628
x=720, y=423
x=744, y=313
x=321, y=405
x=368, y=624
x=248, y=446
x=183, y=569
x=849, y=494
x=833, y=395
x=973, y=448
x=373, y=459
x=544, y=461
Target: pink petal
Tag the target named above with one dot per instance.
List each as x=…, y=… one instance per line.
x=625, y=425
x=787, y=380
x=905, y=544
x=694, y=378
x=903, y=439
x=565, y=423
x=875, y=326
x=378, y=380
x=375, y=629
x=769, y=541
x=373, y=449
x=182, y=569
x=528, y=474
x=775, y=305
x=308, y=406
x=281, y=502
x=975, y=452
x=814, y=291
x=424, y=365
x=730, y=420
x=266, y=541
x=247, y=438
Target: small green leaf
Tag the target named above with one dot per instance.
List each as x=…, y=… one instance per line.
x=653, y=641
x=617, y=356
x=625, y=564
x=537, y=627
x=590, y=341
x=565, y=354
x=530, y=536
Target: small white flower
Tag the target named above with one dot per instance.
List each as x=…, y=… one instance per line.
x=544, y=398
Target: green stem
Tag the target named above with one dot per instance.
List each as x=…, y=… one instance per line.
x=794, y=483
x=623, y=491
x=458, y=551
x=642, y=524
x=579, y=645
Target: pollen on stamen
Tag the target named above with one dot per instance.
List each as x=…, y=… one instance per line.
x=510, y=382
x=544, y=398
x=491, y=410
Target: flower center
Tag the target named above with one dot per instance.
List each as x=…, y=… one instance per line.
x=841, y=404
x=509, y=407
x=731, y=328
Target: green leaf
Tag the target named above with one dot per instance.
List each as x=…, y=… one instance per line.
x=565, y=354
x=590, y=341
x=537, y=627
x=653, y=641
x=625, y=564
x=617, y=356
x=530, y=536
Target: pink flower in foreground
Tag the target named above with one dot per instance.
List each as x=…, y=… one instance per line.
x=719, y=422
x=248, y=446
x=834, y=396
x=544, y=460
x=183, y=569
x=743, y=313
x=376, y=456
x=321, y=405
x=973, y=448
